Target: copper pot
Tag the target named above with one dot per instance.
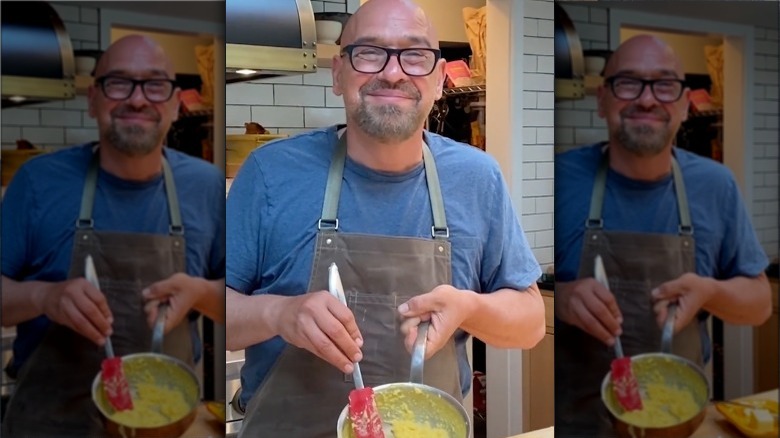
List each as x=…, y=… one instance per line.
x=414, y=401
x=670, y=370
x=162, y=371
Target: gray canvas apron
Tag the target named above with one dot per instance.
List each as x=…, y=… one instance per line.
x=302, y=395
x=53, y=396
x=635, y=263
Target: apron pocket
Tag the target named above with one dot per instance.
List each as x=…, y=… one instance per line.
x=385, y=358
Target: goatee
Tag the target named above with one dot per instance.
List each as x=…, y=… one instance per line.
x=389, y=123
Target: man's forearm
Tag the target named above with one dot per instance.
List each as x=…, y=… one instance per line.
x=740, y=300
x=508, y=318
x=212, y=302
x=250, y=319
x=21, y=300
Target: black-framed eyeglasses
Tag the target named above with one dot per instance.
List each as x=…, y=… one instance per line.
x=414, y=61
x=120, y=88
x=665, y=90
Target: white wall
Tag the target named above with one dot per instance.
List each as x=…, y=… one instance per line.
x=577, y=123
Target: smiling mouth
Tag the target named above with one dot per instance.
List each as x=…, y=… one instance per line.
x=136, y=119
x=647, y=118
x=389, y=96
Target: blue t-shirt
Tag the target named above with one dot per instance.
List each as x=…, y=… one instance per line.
x=276, y=200
x=726, y=243
x=41, y=205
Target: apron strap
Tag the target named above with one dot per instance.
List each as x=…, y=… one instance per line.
x=85, y=220
x=439, y=230
x=176, y=227
x=595, y=221
x=682, y=200
x=330, y=205
x=329, y=220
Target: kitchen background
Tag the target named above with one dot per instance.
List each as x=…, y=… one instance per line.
x=92, y=25
x=520, y=135
x=743, y=134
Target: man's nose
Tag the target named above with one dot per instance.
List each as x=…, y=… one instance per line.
x=646, y=98
x=137, y=98
x=393, y=72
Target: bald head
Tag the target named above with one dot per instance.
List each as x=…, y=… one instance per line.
x=388, y=15
x=644, y=52
x=134, y=46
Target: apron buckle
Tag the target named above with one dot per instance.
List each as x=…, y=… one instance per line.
x=440, y=232
x=686, y=230
x=594, y=223
x=85, y=223
x=328, y=224
x=176, y=230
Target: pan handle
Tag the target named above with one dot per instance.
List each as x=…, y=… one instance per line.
x=418, y=354
x=159, y=328
x=668, y=332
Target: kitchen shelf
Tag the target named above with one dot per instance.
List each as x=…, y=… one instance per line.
x=592, y=84
x=468, y=89
x=82, y=84
x=709, y=113
x=198, y=113
x=325, y=54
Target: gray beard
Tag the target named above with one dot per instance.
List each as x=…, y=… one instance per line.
x=644, y=141
x=133, y=141
x=387, y=123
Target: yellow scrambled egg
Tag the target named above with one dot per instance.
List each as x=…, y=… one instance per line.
x=662, y=406
x=413, y=429
x=153, y=406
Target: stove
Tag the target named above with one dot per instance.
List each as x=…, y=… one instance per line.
x=234, y=360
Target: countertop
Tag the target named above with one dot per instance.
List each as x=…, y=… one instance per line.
x=205, y=425
x=714, y=424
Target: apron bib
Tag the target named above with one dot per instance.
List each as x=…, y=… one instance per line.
x=635, y=263
x=302, y=395
x=53, y=396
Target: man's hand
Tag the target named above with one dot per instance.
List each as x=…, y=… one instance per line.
x=587, y=304
x=446, y=308
x=77, y=304
x=319, y=323
x=184, y=293
x=691, y=293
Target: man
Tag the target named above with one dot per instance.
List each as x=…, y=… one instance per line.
x=665, y=236
x=150, y=217
x=406, y=250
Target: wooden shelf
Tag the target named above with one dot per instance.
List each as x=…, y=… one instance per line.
x=325, y=54
x=82, y=84
x=592, y=84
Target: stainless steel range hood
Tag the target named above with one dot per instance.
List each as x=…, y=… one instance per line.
x=37, y=56
x=569, y=60
x=269, y=38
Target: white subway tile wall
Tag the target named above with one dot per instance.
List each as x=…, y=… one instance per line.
x=766, y=149
x=577, y=122
x=537, y=116
x=55, y=125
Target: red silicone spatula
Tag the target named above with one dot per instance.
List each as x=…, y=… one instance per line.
x=363, y=412
x=624, y=383
x=111, y=374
